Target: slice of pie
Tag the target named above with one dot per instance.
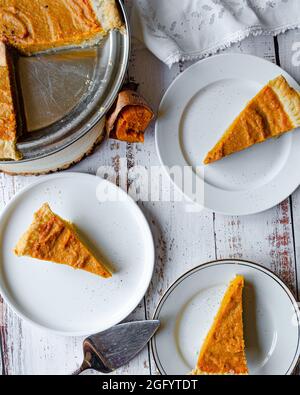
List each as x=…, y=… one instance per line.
x=8, y=123
x=50, y=238
x=223, y=351
x=273, y=111
x=34, y=26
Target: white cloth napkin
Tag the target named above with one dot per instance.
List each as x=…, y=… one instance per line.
x=177, y=30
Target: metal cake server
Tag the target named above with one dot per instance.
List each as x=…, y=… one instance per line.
x=109, y=350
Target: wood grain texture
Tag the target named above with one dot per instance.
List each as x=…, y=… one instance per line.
x=289, y=58
x=183, y=238
x=288, y=45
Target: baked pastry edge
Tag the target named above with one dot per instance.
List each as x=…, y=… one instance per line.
x=289, y=98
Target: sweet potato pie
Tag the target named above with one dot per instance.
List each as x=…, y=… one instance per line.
x=274, y=111
x=223, y=351
x=34, y=26
x=51, y=238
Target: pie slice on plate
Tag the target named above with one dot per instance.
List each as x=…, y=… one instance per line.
x=34, y=26
x=273, y=111
x=8, y=123
x=223, y=351
x=50, y=238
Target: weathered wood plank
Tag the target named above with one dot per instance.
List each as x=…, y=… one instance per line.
x=2, y=328
x=289, y=57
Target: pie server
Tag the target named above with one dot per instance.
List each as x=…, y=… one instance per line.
x=109, y=350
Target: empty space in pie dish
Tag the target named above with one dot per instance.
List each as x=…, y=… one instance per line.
x=55, y=86
x=204, y=120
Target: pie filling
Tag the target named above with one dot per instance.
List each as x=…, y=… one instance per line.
x=223, y=351
x=38, y=25
x=8, y=123
x=50, y=238
x=273, y=111
x=33, y=26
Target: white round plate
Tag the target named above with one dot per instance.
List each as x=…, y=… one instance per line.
x=57, y=297
x=194, y=113
x=187, y=310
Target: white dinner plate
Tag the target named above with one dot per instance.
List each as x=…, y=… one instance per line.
x=57, y=297
x=195, y=111
x=187, y=309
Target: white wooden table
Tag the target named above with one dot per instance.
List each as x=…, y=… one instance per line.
x=183, y=240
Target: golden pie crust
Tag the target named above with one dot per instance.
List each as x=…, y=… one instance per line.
x=8, y=123
x=273, y=111
x=50, y=238
x=223, y=351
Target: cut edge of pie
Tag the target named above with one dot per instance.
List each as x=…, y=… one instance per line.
x=8, y=122
x=274, y=111
x=223, y=350
x=89, y=21
x=51, y=238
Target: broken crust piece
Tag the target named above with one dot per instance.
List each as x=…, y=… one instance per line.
x=8, y=123
x=33, y=26
x=50, y=238
x=273, y=111
x=130, y=118
x=223, y=351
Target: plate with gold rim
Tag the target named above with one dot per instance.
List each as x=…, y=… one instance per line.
x=186, y=311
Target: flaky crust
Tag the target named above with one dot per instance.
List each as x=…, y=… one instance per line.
x=8, y=126
x=3, y=55
x=289, y=98
x=8, y=150
x=198, y=372
x=108, y=13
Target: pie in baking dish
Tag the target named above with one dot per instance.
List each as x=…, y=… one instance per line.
x=8, y=122
x=50, y=238
x=223, y=351
x=273, y=111
x=34, y=26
